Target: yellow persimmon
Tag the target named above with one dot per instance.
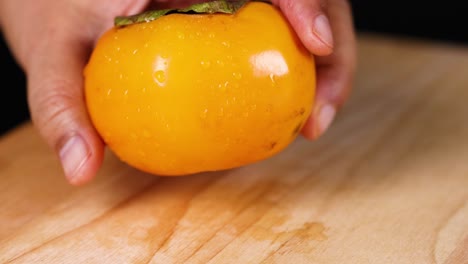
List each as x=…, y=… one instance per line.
x=187, y=93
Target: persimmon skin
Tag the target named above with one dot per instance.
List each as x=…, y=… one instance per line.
x=189, y=93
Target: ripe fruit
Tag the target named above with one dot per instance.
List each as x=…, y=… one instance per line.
x=187, y=93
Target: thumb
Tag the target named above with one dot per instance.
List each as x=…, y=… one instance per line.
x=310, y=21
x=56, y=101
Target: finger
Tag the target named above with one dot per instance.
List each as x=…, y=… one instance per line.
x=56, y=100
x=334, y=72
x=310, y=22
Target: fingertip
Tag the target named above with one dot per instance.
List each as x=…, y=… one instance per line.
x=320, y=121
x=310, y=23
x=308, y=129
x=316, y=35
x=322, y=30
x=81, y=156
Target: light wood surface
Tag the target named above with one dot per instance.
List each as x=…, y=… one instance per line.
x=387, y=184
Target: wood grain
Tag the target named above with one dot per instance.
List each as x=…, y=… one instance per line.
x=387, y=184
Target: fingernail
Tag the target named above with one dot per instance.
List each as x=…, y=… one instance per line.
x=325, y=118
x=322, y=30
x=73, y=155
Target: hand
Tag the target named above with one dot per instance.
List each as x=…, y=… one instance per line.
x=326, y=29
x=52, y=41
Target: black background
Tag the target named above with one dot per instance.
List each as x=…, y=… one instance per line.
x=444, y=21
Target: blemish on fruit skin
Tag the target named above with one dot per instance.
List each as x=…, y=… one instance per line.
x=272, y=145
x=298, y=112
x=297, y=129
x=302, y=111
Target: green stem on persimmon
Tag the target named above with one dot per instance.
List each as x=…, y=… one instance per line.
x=211, y=7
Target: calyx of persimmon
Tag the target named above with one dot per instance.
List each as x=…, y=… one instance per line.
x=210, y=7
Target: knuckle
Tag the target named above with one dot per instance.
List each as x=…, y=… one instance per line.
x=52, y=104
x=288, y=4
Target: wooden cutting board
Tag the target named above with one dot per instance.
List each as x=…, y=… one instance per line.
x=387, y=184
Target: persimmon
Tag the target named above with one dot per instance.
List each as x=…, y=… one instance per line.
x=184, y=92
